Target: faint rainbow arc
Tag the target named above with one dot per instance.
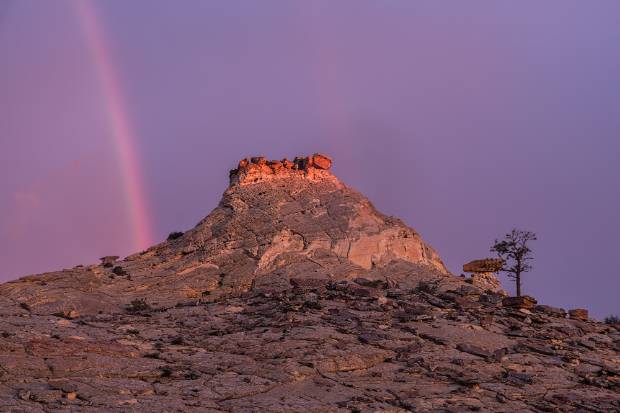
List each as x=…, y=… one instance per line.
x=122, y=131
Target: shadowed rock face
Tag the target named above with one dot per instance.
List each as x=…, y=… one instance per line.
x=294, y=294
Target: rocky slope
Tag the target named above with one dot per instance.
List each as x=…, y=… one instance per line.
x=294, y=295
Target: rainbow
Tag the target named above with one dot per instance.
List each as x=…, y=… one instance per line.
x=122, y=132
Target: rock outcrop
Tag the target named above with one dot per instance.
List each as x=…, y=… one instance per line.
x=293, y=295
x=485, y=265
x=255, y=169
x=483, y=274
x=522, y=302
x=578, y=314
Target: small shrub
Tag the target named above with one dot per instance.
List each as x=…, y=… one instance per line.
x=138, y=305
x=108, y=261
x=165, y=371
x=25, y=306
x=118, y=270
x=612, y=319
x=174, y=235
x=133, y=331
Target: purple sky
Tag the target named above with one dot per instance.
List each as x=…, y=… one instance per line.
x=463, y=118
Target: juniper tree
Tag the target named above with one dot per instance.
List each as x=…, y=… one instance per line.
x=515, y=253
x=612, y=319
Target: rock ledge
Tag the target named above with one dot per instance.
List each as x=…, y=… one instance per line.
x=258, y=168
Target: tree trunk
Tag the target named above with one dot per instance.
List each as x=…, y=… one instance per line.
x=518, y=281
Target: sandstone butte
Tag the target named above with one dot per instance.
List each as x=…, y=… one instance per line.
x=294, y=295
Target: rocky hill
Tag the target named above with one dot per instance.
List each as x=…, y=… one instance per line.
x=294, y=295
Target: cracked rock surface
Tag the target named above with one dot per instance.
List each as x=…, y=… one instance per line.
x=293, y=295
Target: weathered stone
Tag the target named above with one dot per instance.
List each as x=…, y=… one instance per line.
x=500, y=354
x=491, y=299
x=466, y=303
x=524, y=301
x=487, y=281
x=468, y=290
x=243, y=164
x=370, y=283
x=518, y=378
x=23, y=394
x=309, y=283
x=578, y=314
x=549, y=310
x=234, y=309
x=484, y=265
x=287, y=164
x=321, y=161
x=360, y=292
x=538, y=348
x=487, y=320
x=71, y=314
x=476, y=351
x=275, y=166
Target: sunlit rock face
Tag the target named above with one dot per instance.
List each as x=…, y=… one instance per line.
x=272, y=217
x=294, y=295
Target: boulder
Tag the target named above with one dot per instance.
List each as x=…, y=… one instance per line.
x=275, y=165
x=552, y=311
x=484, y=265
x=524, y=301
x=321, y=161
x=578, y=314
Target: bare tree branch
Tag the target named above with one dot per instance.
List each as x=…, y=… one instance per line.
x=515, y=252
